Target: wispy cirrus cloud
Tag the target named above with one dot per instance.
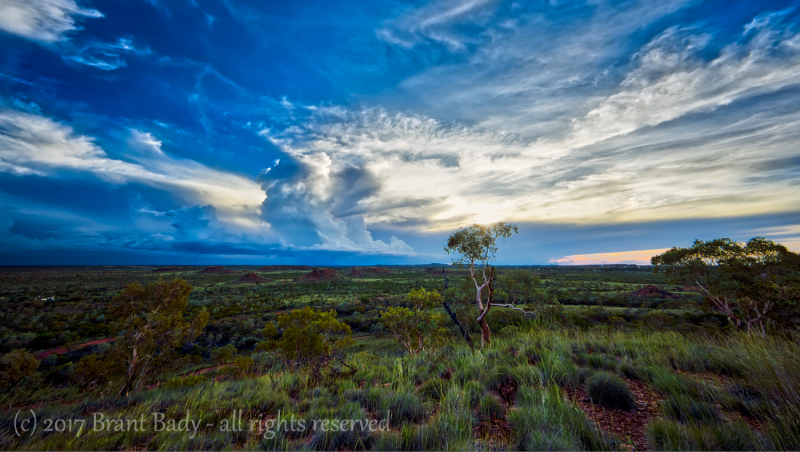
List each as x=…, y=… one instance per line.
x=45, y=21
x=107, y=56
x=680, y=135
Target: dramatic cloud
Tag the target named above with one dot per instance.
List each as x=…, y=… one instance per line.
x=373, y=131
x=41, y=20
x=34, y=144
x=316, y=207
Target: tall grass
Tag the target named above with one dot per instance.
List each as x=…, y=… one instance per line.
x=439, y=400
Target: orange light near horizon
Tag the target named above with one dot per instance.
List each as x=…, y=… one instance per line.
x=639, y=257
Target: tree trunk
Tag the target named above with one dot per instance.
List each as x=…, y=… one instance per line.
x=453, y=317
x=129, y=377
x=486, y=333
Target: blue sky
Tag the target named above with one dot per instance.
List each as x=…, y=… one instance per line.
x=234, y=132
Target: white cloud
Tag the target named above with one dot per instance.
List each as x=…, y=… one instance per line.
x=107, y=56
x=34, y=144
x=41, y=20
x=673, y=80
x=629, y=158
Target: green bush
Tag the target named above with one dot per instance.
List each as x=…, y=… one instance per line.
x=491, y=407
x=664, y=434
x=545, y=420
x=15, y=366
x=474, y=390
x=433, y=388
x=404, y=406
x=185, y=382
x=610, y=391
x=685, y=409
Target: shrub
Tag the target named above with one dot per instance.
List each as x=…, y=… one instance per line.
x=664, y=434
x=685, y=409
x=474, y=390
x=185, y=382
x=502, y=380
x=404, y=406
x=491, y=407
x=244, y=363
x=610, y=391
x=16, y=366
x=532, y=354
x=627, y=370
x=545, y=420
x=433, y=388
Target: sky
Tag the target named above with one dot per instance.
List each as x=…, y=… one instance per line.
x=360, y=133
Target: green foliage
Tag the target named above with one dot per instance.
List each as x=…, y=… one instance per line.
x=664, y=434
x=309, y=339
x=417, y=328
x=152, y=325
x=610, y=391
x=433, y=389
x=16, y=366
x=544, y=420
x=522, y=286
x=473, y=391
x=686, y=409
x=478, y=244
x=756, y=284
x=222, y=355
x=490, y=406
x=185, y=382
x=244, y=363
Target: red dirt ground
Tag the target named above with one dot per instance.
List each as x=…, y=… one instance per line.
x=321, y=274
x=363, y=272
x=61, y=351
x=278, y=268
x=627, y=425
x=251, y=278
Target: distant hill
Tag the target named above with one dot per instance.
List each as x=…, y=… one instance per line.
x=251, y=278
x=321, y=275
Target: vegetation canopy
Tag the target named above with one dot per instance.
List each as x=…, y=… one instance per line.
x=757, y=284
x=476, y=245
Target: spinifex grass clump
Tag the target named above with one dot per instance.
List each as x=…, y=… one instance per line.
x=685, y=409
x=433, y=388
x=491, y=406
x=610, y=391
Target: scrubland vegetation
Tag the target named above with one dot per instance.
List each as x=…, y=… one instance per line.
x=592, y=357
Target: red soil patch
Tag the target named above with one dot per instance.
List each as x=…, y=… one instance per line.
x=251, y=278
x=627, y=425
x=362, y=272
x=495, y=430
x=279, y=268
x=650, y=291
x=61, y=351
x=217, y=270
x=320, y=275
